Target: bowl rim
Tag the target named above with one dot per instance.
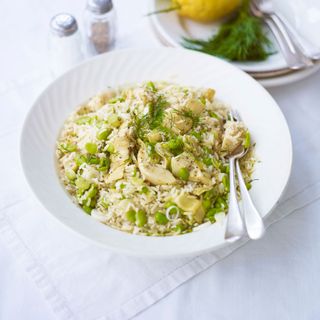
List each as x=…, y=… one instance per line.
x=122, y=250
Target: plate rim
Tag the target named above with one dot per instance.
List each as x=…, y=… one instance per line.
x=287, y=74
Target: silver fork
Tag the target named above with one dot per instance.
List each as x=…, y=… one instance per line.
x=290, y=48
x=235, y=227
x=253, y=221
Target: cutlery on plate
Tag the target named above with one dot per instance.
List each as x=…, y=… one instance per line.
x=253, y=221
x=291, y=50
x=235, y=227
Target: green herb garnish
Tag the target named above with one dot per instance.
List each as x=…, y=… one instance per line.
x=191, y=115
x=240, y=39
x=153, y=119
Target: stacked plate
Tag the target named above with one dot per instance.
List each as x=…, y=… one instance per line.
x=170, y=28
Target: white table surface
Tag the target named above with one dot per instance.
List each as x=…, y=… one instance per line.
x=277, y=277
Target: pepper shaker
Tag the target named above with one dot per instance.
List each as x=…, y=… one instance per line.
x=64, y=43
x=99, y=26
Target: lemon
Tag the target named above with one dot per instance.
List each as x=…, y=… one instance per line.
x=205, y=10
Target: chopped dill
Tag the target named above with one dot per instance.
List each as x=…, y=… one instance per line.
x=240, y=39
x=191, y=115
x=153, y=119
x=151, y=86
x=156, y=112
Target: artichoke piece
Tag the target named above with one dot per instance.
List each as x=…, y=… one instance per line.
x=163, y=153
x=121, y=145
x=209, y=94
x=118, y=159
x=154, y=136
x=154, y=173
x=234, y=136
x=116, y=173
x=185, y=160
x=195, y=106
x=177, y=122
x=191, y=204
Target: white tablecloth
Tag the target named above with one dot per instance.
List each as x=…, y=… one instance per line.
x=277, y=277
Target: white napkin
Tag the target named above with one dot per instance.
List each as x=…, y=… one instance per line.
x=82, y=281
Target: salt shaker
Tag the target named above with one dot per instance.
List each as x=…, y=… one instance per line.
x=100, y=26
x=64, y=43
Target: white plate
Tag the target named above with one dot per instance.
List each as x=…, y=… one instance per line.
x=259, y=111
x=170, y=29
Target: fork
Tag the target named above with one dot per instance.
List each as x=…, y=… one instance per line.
x=253, y=221
x=291, y=50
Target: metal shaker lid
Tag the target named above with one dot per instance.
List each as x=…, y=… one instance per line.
x=63, y=24
x=99, y=6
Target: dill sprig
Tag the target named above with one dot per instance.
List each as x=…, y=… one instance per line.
x=153, y=119
x=189, y=114
x=240, y=39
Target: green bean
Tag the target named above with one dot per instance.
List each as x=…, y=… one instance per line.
x=161, y=218
x=131, y=215
x=80, y=159
x=206, y=203
x=175, y=145
x=92, y=192
x=104, y=134
x=247, y=140
x=183, y=174
x=71, y=175
x=110, y=148
x=91, y=147
x=92, y=159
x=225, y=169
x=221, y=203
x=211, y=214
x=207, y=161
x=208, y=195
x=114, y=120
x=226, y=182
x=141, y=218
x=115, y=100
x=144, y=190
x=68, y=147
x=83, y=120
x=169, y=204
x=104, y=164
x=179, y=228
x=82, y=184
x=87, y=209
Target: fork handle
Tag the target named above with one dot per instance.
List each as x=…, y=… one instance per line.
x=291, y=51
x=252, y=218
x=235, y=227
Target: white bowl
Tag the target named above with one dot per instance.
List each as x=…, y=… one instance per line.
x=259, y=111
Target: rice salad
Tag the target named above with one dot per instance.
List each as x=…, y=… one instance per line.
x=152, y=159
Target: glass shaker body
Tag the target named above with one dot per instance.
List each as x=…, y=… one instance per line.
x=64, y=43
x=100, y=31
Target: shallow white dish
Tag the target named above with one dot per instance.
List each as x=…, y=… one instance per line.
x=258, y=109
x=170, y=29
